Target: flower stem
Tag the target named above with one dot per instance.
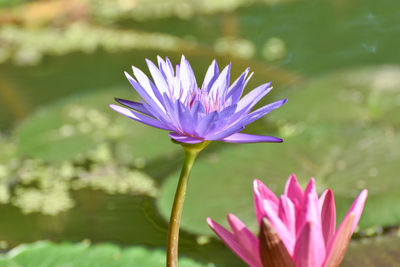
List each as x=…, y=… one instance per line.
x=191, y=152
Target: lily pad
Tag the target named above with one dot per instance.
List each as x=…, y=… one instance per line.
x=339, y=129
x=82, y=254
x=356, y=95
x=344, y=159
x=385, y=252
x=71, y=127
x=7, y=148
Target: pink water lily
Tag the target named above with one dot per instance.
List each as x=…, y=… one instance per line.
x=297, y=229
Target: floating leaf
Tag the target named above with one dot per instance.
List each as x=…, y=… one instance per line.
x=377, y=251
x=71, y=127
x=46, y=254
x=358, y=95
x=338, y=129
x=344, y=159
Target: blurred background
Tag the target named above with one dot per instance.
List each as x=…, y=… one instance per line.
x=99, y=186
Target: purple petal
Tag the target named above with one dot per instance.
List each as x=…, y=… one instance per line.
x=139, y=117
x=166, y=69
x=134, y=105
x=149, y=86
x=143, y=93
x=158, y=77
x=211, y=76
x=156, y=115
x=225, y=133
x=172, y=112
x=206, y=123
x=248, y=79
x=249, y=138
x=216, y=122
x=236, y=89
x=238, y=126
x=185, y=119
x=184, y=138
x=261, y=112
x=197, y=112
x=221, y=85
x=249, y=100
x=186, y=75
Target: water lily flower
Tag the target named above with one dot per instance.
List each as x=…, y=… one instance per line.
x=215, y=111
x=297, y=229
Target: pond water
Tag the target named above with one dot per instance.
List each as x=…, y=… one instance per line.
x=289, y=43
x=304, y=37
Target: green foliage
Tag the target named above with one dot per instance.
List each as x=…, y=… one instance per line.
x=27, y=47
x=364, y=95
x=79, y=123
x=340, y=128
x=71, y=126
x=370, y=252
x=344, y=148
x=75, y=144
x=46, y=254
x=7, y=3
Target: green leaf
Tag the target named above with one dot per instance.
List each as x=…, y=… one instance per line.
x=344, y=159
x=377, y=251
x=47, y=254
x=73, y=126
x=7, y=148
x=355, y=95
x=339, y=128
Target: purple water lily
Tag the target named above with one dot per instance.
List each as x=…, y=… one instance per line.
x=216, y=111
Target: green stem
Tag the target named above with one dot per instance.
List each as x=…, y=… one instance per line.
x=191, y=152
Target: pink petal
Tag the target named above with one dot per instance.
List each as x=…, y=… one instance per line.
x=310, y=248
x=229, y=239
x=244, y=237
x=294, y=191
x=287, y=213
x=357, y=208
x=309, y=212
x=261, y=193
x=322, y=199
x=273, y=252
x=283, y=232
x=328, y=216
x=310, y=188
x=339, y=243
